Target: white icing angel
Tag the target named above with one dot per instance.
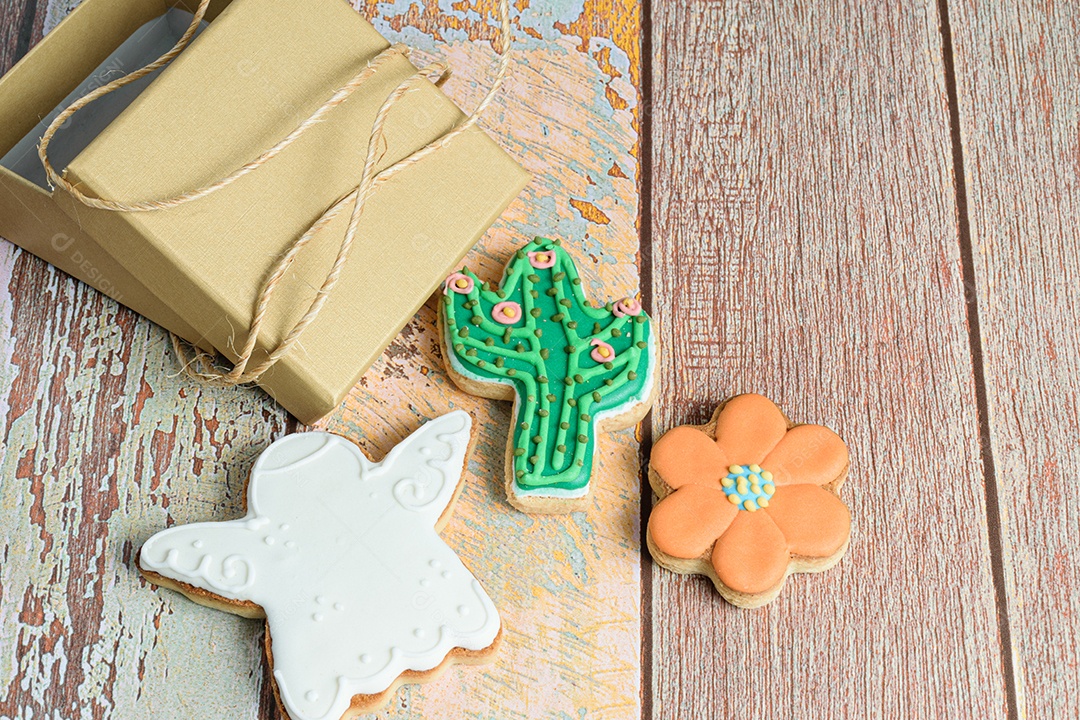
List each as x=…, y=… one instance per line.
x=342, y=557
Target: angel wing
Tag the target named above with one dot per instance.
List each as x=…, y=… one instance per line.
x=424, y=470
x=221, y=557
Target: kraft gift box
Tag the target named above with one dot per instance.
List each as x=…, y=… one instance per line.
x=256, y=71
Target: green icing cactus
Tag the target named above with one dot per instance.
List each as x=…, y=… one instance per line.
x=569, y=362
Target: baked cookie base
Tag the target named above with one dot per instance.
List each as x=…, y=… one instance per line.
x=702, y=565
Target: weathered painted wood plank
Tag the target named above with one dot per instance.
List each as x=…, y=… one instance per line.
x=805, y=245
x=1017, y=90
x=103, y=446
x=568, y=587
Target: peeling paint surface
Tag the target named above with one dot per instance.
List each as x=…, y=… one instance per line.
x=568, y=587
x=102, y=444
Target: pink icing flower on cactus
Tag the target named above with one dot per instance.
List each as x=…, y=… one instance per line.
x=602, y=352
x=506, y=313
x=460, y=283
x=629, y=306
x=542, y=259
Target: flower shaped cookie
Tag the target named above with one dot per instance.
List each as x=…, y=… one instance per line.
x=748, y=499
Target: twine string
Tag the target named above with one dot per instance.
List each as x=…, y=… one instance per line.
x=200, y=364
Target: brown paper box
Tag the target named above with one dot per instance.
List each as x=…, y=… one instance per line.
x=253, y=75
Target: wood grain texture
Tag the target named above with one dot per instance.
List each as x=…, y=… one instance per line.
x=806, y=247
x=103, y=446
x=807, y=243
x=1017, y=91
x=25, y=20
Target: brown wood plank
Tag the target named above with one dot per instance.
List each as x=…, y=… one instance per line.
x=1017, y=89
x=805, y=246
x=22, y=26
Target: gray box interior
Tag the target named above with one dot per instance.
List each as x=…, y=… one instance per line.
x=145, y=45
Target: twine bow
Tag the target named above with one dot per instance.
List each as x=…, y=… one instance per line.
x=200, y=364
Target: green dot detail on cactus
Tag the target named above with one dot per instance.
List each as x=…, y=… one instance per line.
x=565, y=382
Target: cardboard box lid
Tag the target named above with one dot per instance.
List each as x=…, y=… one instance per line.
x=253, y=75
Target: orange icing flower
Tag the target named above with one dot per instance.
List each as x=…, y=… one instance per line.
x=748, y=499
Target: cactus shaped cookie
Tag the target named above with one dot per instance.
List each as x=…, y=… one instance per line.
x=572, y=368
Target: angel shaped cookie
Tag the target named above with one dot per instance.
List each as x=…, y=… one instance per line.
x=343, y=559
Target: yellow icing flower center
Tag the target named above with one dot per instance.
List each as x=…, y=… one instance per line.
x=748, y=487
x=461, y=283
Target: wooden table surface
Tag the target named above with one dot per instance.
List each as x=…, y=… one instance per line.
x=866, y=211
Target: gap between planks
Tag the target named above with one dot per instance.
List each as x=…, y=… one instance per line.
x=645, y=259
x=971, y=303
x=26, y=31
